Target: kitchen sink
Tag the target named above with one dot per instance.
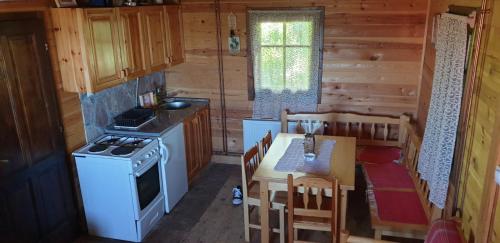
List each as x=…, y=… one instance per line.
x=175, y=105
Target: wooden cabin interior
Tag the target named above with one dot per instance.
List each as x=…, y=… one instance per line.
x=250, y=120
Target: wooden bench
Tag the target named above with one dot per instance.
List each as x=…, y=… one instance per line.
x=379, y=138
x=368, y=129
x=441, y=231
x=402, y=212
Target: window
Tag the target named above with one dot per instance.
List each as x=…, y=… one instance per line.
x=285, y=52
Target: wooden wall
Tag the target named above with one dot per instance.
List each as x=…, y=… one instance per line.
x=69, y=103
x=481, y=135
x=479, y=139
x=437, y=6
x=372, y=58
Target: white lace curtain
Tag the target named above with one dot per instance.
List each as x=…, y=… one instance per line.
x=438, y=144
x=285, y=48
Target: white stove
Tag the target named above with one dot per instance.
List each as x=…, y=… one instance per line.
x=120, y=182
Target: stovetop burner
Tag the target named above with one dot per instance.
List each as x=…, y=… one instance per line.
x=122, y=150
x=111, y=140
x=118, y=145
x=98, y=148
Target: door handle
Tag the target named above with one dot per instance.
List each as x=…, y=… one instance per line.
x=167, y=154
x=164, y=152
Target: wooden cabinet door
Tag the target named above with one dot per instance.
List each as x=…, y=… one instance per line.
x=190, y=137
x=103, y=48
x=198, y=142
x=176, y=36
x=156, y=37
x=132, y=42
x=35, y=193
x=206, y=137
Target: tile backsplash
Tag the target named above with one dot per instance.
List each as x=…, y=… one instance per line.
x=99, y=108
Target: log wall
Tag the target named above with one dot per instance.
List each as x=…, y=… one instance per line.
x=481, y=148
x=69, y=103
x=435, y=8
x=372, y=58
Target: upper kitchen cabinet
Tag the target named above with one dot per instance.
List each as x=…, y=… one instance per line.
x=157, y=33
x=98, y=48
x=88, y=46
x=175, y=35
x=132, y=35
x=103, y=42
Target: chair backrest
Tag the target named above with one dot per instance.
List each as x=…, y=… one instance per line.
x=265, y=144
x=249, y=163
x=314, y=203
x=411, y=151
x=369, y=129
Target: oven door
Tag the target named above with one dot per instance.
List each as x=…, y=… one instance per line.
x=146, y=187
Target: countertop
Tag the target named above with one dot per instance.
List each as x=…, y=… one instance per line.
x=165, y=119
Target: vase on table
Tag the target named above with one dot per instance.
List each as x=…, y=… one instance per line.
x=309, y=144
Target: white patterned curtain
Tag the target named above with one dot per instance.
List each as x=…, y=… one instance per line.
x=285, y=47
x=438, y=144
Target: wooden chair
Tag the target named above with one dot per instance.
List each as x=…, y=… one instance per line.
x=250, y=161
x=312, y=210
x=265, y=144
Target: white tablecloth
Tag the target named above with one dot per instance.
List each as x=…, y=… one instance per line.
x=293, y=159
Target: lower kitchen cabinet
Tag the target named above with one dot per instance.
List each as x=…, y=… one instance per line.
x=198, y=139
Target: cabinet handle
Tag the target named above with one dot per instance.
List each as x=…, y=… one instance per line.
x=6, y=161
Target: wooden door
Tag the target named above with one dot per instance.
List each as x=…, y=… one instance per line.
x=176, y=37
x=36, y=202
x=132, y=42
x=156, y=37
x=103, y=48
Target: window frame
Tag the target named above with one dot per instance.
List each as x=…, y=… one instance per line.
x=250, y=70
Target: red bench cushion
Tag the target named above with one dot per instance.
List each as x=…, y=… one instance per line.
x=444, y=231
x=398, y=206
x=389, y=175
x=378, y=154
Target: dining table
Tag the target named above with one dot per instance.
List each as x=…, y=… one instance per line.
x=342, y=167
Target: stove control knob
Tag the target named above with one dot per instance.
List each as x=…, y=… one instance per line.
x=148, y=155
x=135, y=165
x=139, y=162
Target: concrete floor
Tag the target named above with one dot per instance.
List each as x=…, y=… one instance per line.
x=206, y=213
